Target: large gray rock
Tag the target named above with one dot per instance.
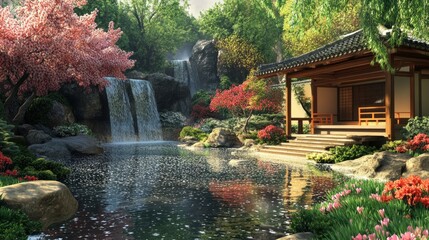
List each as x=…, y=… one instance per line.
x=37, y=137
x=170, y=95
x=222, y=137
x=45, y=201
x=384, y=166
x=60, y=114
x=62, y=148
x=418, y=166
x=204, y=57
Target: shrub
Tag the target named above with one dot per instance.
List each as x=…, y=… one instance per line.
x=391, y=146
x=72, y=130
x=16, y=225
x=202, y=97
x=271, y=135
x=341, y=153
x=6, y=146
x=416, y=146
x=189, y=131
x=201, y=111
x=411, y=190
x=415, y=126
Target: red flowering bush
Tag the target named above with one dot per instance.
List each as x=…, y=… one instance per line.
x=416, y=146
x=271, y=135
x=199, y=111
x=412, y=190
x=5, y=162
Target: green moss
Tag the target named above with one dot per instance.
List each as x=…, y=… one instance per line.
x=72, y=130
x=189, y=131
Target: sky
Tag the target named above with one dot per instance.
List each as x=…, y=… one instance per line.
x=196, y=6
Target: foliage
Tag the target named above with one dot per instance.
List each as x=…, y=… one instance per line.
x=6, y=146
x=37, y=111
x=7, y=180
x=172, y=119
x=202, y=97
x=72, y=130
x=416, y=146
x=200, y=105
x=189, y=131
x=342, y=153
x=237, y=58
x=224, y=82
x=16, y=225
x=305, y=128
x=63, y=48
x=303, y=100
x=404, y=17
x=272, y=135
x=317, y=30
x=256, y=22
x=411, y=190
x=155, y=28
x=252, y=95
x=391, y=146
x=415, y=126
x=355, y=209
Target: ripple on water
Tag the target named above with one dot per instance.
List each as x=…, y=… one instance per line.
x=159, y=191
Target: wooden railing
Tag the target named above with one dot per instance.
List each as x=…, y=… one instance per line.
x=301, y=123
x=372, y=115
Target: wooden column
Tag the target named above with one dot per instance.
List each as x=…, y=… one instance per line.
x=313, y=104
x=288, y=113
x=412, y=93
x=420, y=95
x=390, y=102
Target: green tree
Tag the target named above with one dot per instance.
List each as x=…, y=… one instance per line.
x=257, y=22
x=402, y=16
x=316, y=30
x=157, y=27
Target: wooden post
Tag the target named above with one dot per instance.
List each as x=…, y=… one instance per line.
x=412, y=93
x=390, y=102
x=420, y=95
x=288, y=113
x=313, y=104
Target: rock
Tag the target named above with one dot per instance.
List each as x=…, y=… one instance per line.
x=222, y=137
x=60, y=149
x=60, y=114
x=45, y=201
x=204, y=57
x=238, y=162
x=299, y=236
x=418, y=166
x=249, y=142
x=170, y=95
x=23, y=129
x=198, y=145
x=384, y=166
x=37, y=137
x=18, y=139
x=189, y=140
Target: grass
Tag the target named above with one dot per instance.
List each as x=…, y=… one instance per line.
x=344, y=221
x=5, y=181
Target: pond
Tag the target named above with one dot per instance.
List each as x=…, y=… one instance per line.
x=161, y=191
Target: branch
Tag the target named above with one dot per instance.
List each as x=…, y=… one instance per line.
x=15, y=90
x=19, y=117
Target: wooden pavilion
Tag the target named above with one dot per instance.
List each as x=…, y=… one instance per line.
x=349, y=95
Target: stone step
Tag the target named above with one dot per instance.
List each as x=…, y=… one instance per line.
x=286, y=153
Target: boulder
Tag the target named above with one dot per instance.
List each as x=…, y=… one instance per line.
x=189, y=140
x=37, y=137
x=45, y=201
x=204, y=58
x=60, y=114
x=23, y=129
x=170, y=95
x=418, y=166
x=222, y=137
x=60, y=149
x=384, y=166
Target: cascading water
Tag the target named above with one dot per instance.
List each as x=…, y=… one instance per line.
x=186, y=74
x=133, y=112
x=148, y=124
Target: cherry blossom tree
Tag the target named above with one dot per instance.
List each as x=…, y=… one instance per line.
x=44, y=44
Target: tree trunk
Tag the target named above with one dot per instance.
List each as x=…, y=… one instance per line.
x=19, y=117
x=246, y=123
x=11, y=104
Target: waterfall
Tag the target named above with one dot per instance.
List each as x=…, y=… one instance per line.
x=133, y=112
x=185, y=73
x=148, y=124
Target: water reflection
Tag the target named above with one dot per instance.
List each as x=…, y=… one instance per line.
x=146, y=191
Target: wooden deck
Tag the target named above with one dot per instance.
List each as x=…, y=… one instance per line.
x=351, y=130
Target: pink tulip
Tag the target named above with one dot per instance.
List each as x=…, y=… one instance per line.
x=359, y=209
x=393, y=237
x=372, y=237
x=426, y=233
x=322, y=209
x=358, y=190
x=378, y=228
x=408, y=236
x=381, y=212
x=385, y=222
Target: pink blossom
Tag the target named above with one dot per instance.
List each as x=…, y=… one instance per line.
x=378, y=228
x=322, y=209
x=393, y=237
x=358, y=190
x=408, y=236
x=385, y=222
x=336, y=204
x=360, y=237
x=372, y=236
x=359, y=209
x=425, y=233
x=330, y=207
x=381, y=212
x=376, y=197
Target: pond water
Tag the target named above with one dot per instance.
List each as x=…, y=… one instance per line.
x=161, y=191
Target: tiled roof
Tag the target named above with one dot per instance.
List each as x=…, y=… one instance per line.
x=353, y=42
